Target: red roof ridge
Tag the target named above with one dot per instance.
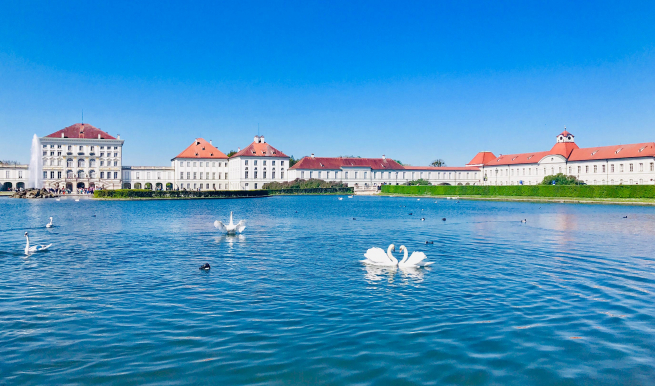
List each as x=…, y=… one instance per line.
x=260, y=149
x=80, y=130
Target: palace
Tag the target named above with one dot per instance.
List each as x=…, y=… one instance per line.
x=83, y=156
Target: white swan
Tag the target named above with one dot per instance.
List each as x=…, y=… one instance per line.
x=77, y=199
x=415, y=260
x=350, y=196
x=340, y=198
x=49, y=225
x=231, y=228
x=35, y=248
x=376, y=256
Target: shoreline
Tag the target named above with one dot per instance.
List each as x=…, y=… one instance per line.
x=552, y=200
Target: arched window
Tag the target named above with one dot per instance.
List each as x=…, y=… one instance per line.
x=80, y=163
x=92, y=174
x=69, y=173
x=69, y=163
x=92, y=163
x=80, y=174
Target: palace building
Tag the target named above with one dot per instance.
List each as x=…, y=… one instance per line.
x=83, y=156
x=632, y=164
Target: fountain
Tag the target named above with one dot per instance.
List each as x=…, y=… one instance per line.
x=36, y=165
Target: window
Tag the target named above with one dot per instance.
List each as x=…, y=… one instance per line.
x=255, y=173
x=641, y=167
x=621, y=169
x=264, y=174
x=652, y=166
x=52, y=175
x=188, y=175
x=58, y=174
x=570, y=170
x=255, y=162
x=603, y=169
x=612, y=170
x=281, y=163
x=188, y=164
x=102, y=174
x=181, y=164
x=195, y=176
x=364, y=175
x=586, y=169
x=115, y=163
x=92, y=163
x=207, y=176
x=147, y=175
x=264, y=162
x=273, y=163
x=346, y=175
x=245, y=162
x=137, y=175
x=102, y=154
x=595, y=169
x=159, y=175
x=194, y=165
x=207, y=165
x=201, y=175
x=281, y=174
x=273, y=173
x=92, y=147
x=632, y=168
x=181, y=175
x=213, y=176
x=45, y=174
x=81, y=148
x=311, y=174
x=356, y=174
x=579, y=169
x=246, y=174
x=102, y=163
x=115, y=175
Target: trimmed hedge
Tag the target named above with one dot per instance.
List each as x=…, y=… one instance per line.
x=311, y=191
x=145, y=193
x=576, y=191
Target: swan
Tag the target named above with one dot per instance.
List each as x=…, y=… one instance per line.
x=231, y=228
x=35, y=248
x=350, y=196
x=340, y=198
x=376, y=256
x=77, y=199
x=49, y=225
x=415, y=260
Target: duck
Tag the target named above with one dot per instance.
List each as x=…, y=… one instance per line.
x=205, y=267
x=524, y=220
x=625, y=216
x=422, y=218
x=49, y=225
x=429, y=242
x=443, y=219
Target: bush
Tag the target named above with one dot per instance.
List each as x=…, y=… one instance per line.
x=312, y=183
x=561, y=179
x=420, y=181
x=574, y=191
x=145, y=193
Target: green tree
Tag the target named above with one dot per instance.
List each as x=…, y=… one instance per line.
x=438, y=163
x=398, y=162
x=231, y=153
x=420, y=181
x=293, y=161
x=561, y=179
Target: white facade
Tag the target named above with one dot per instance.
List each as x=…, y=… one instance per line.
x=201, y=173
x=13, y=177
x=256, y=165
x=148, y=177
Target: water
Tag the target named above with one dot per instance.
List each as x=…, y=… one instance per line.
x=566, y=298
x=36, y=165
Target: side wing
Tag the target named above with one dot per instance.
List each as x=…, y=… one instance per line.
x=376, y=255
x=241, y=225
x=220, y=225
x=416, y=258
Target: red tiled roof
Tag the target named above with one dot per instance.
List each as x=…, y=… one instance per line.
x=259, y=149
x=201, y=149
x=634, y=150
x=443, y=168
x=482, y=158
x=81, y=130
x=565, y=134
x=563, y=148
x=339, y=162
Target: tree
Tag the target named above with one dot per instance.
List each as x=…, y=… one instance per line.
x=293, y=161
x=438, y=163
x=398, y=162
x=231, y=153
x=561, y=179
x=420, y=181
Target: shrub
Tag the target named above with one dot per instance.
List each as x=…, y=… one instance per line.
x=312, y=183
x=420, y=181
x=561, y=179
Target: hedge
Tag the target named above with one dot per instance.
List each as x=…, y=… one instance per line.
x=311, y=191
x=576, y=191
x=145, y=193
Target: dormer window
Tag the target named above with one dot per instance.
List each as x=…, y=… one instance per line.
x=530, y=157
x=642, y=149
x=513, y=158
x=617, y=152
x=594, y=153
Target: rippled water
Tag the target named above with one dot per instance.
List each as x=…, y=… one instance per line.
x=566, y=298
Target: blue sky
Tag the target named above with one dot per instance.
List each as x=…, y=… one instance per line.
x=413, y=80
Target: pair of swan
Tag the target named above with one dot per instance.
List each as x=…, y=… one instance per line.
x=231, y=228
x=376, y=256
x=34, y=248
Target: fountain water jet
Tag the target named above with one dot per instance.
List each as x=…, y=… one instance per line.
x=36, y=165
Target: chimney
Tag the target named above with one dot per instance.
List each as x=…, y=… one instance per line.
x=118, y=136
x=312, y=155
x=383, y=156
x=256, y=140
x=262, y=140
x=99, y=136
x=62, y=135
x=238, y=149
x=210, y=141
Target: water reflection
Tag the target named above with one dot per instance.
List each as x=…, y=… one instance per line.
x=376, y=273
x=229, y=239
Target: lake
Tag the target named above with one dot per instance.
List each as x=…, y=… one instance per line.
x=566, y=298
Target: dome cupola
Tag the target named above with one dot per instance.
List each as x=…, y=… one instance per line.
x=565, y=136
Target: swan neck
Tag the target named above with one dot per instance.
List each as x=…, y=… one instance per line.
x=404, y=258
x=391, y=257
x=231, y=223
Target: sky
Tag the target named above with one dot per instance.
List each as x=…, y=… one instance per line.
x=415, y=81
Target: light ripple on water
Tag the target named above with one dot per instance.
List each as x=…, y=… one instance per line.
x=563, y=299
